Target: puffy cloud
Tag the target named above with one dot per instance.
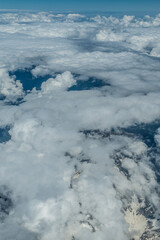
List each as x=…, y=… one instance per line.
x=8, y=86
x=104, y=35
x=62, y=81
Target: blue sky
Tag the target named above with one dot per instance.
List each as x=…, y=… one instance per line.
x=82, y=5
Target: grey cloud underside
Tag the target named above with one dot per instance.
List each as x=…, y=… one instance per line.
x=79, y=127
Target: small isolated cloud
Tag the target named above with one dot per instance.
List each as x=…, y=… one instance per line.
x=62, y=81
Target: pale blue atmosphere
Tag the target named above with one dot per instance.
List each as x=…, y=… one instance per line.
x=83, y=5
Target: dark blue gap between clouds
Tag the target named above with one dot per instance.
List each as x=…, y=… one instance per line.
x=29, y=81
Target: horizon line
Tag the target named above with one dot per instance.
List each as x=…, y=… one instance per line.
x=85, y=11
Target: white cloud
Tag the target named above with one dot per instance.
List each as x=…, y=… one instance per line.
x=8, y=86
x=62, y=81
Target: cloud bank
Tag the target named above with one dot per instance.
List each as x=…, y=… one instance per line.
x=80, y=127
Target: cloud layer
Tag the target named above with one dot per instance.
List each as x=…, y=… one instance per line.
x=76, y=163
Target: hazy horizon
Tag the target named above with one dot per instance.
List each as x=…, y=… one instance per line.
x=94, y=5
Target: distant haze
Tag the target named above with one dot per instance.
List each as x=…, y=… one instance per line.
x=88, y=5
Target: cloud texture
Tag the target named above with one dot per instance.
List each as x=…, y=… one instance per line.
x=81, y=157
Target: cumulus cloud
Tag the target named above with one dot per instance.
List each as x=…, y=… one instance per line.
x=8, y=86
x=75, y=166
x=62, y=81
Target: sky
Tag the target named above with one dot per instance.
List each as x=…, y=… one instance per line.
x=83, y=5
x=79, y=126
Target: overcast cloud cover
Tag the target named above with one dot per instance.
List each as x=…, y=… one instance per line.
x=73, y=165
